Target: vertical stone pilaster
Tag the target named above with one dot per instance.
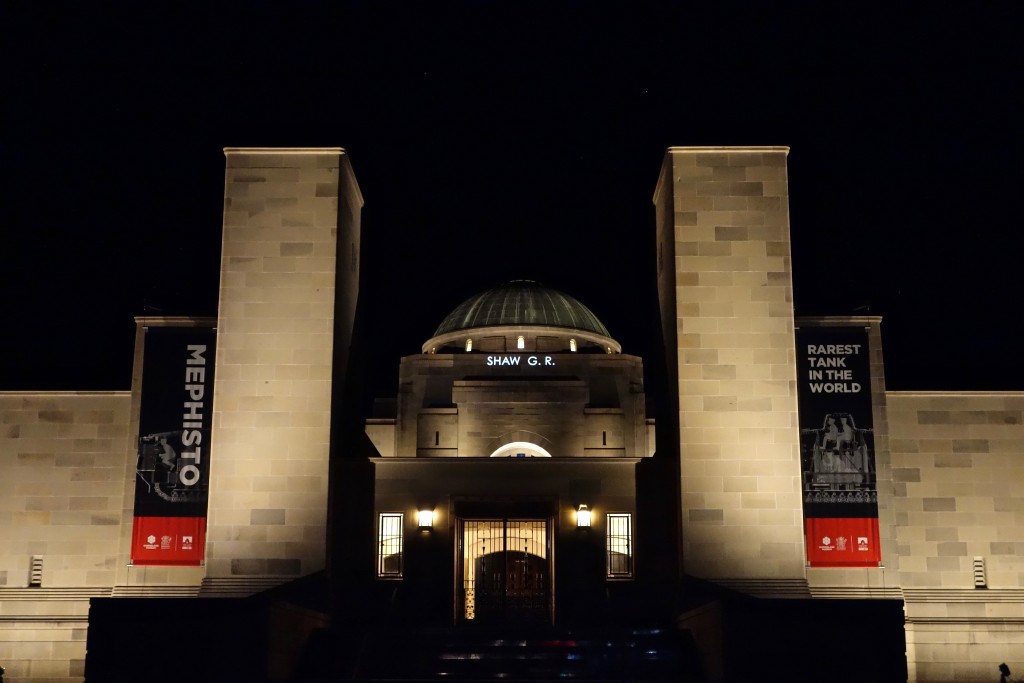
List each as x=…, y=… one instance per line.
x=283, y=211
x=725, y=287
x=127, y=574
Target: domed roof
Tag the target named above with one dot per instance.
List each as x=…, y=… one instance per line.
x=521, y=302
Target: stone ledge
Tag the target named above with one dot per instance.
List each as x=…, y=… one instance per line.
x=963, y=594
x=50, y=594
x=857, y=593
x=231, y=587
x=768, y=588
x=975, y=621
x=155, y=591
x=54, y=619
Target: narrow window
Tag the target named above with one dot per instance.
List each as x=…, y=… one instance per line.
x=437, y=438
x=520, y=342
x=604, y=438
x=620, y=545
x=572, y=345
x=389, y=545
x=469, y=345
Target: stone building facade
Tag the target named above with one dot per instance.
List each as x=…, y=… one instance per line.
x=566, y=432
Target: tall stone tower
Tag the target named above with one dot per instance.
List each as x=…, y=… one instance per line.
x=289, y=285
x=725, y=291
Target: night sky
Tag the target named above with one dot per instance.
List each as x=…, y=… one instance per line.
x=503, y=140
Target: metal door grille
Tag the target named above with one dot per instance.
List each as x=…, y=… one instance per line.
x=505, y=568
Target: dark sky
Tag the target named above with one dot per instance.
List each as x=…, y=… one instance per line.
x=501, y=140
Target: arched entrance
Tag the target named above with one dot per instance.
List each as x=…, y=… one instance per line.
x=520, y=449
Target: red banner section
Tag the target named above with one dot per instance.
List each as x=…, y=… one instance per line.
x=168, y=541
x=843, y=541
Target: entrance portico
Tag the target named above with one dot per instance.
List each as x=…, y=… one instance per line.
x=500, y=450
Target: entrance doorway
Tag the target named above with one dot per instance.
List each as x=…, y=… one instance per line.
x=505, y=573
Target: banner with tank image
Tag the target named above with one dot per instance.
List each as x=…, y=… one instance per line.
x=837, y=447
x=172, y=460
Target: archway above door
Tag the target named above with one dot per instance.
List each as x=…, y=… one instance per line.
x=520, y=449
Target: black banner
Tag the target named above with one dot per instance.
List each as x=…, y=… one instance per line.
x=837, y=446
x=172, y=465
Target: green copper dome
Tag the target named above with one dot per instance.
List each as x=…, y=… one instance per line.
x=521, y=302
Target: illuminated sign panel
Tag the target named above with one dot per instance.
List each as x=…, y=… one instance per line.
x=515, y=360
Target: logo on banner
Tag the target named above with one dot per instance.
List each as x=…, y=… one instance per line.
x=826, y=543
x=150, y=543
x=862, y=543
x=841, y=543
x=186, y=543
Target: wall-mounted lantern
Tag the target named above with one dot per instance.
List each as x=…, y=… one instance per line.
x=425, y=519
x=583, y=517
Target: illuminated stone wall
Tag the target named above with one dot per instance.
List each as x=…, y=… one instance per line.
x=726, y=296
x=455, y=405
x=958, y=462
x=62, y=474
x=283, y=212
x=62, y=458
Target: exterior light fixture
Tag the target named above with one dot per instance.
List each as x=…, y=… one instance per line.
x=583, y=517
x=469, y=345
x=520, y=342
x=572, y=345
x=425, y=519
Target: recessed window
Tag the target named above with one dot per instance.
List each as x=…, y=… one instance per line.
x=389, y=545
x=572, y=345
x=469, y=345
x=620, y=545
x=520, y=342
